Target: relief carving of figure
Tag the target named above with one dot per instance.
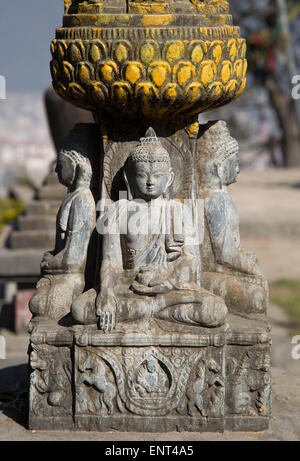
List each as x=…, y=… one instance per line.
x=52, y=376
x=195, y=392
x=229, y=271
x=63, y=268
x=148, y=270
x=251, y=376
x=216, y=389
x=151, y=378
x=207, y=393
x=97, y=379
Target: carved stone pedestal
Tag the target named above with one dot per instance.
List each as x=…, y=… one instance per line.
x=153, y=319
x=212, y=380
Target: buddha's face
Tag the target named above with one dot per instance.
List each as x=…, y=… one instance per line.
x=150, y=180
x=65, y=170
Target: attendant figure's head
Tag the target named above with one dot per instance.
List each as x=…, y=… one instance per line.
x=148, y=172
x=151, y=365
x=73, y=167
x=218, y=156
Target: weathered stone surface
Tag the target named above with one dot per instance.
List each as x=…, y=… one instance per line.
x=200, y=381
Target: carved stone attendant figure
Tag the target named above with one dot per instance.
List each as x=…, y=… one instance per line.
x=148, y=270
x=63, y=268
x=229, y=271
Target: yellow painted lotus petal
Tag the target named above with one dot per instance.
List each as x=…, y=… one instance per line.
x=238, y=68
x=232, y=47
x=245, y=68
x=95, y=53
x=147, y=53
x=61, y=51
x=68, y=71
x=133, y=72
x=77, y=91
x=121, y=92
x=242, y=87
x=98, y=92
x=121, y=52
x=146, y=90
x=231, y=86
x=170, y=93
x=84, y=74
x=54, y=65
x=108, y=71
x=242, y=48
x=174, y=51
x=194, y=91
x=217, y=53
x=159, y=75
x=208, y=71
x=226, y=71
x=216, y=89
x=74, y=54
x=184, y=74
x=53, y=47
x=197, y=55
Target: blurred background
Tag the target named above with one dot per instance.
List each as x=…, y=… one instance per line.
x=265, y=120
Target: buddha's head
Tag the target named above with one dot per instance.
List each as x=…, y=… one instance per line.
x=148, y=172
x=151, y=365
x=218, y=156
x=73, y=167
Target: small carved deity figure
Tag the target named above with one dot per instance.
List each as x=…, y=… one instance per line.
x=148, y=270
x=229, y=271
x=63, y=268
x=251, y=377
x=216, y=389
x=52, y=376
x=195, y=392
x=151, y=379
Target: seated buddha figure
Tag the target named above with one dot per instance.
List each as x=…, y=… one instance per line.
x=229, y=271
x=148, y=270
x=63, y=268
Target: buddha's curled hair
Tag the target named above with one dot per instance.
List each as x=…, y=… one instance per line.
x=150, y=150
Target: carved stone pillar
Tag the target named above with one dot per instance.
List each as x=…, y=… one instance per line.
x=162, y=333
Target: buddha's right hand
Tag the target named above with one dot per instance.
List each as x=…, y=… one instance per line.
x=107, y=310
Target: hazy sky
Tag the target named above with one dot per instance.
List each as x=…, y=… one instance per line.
x=26, y=30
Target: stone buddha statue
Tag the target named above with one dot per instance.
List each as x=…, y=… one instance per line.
x=63, y=268
x=228, y=270
x=149, y=267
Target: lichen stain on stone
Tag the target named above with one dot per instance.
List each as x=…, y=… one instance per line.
x=132, y=73
x=157, y=20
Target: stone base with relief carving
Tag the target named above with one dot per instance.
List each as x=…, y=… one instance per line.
x=159, y=381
